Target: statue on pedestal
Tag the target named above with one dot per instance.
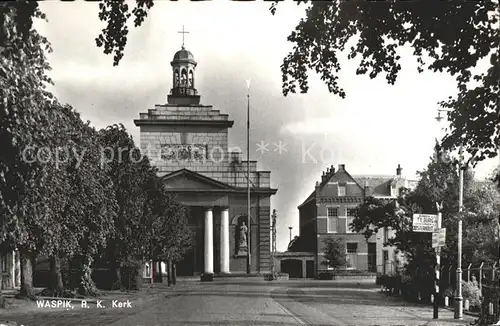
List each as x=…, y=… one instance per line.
x=243, y=244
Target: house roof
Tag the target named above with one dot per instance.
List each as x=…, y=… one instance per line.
x=478, y=184
x=196, y=176
x=380, y=184
x=308, y=199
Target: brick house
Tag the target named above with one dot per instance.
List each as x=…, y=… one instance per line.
x=331, y=207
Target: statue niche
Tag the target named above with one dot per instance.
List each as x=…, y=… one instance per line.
x=242, y=240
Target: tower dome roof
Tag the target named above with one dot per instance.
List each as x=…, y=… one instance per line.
x=183, y=55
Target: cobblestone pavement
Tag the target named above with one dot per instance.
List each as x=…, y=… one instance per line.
x=254, y=303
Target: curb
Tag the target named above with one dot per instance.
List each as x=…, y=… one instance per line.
x=472, y=314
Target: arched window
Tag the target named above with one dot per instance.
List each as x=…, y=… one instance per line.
x=191, y=78
x=176, y=78
x=183, y=77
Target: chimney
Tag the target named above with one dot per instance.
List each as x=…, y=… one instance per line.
x=398, y=170
x=332, y=170
x=341, y=167
x=328, y=171
x=323, y=177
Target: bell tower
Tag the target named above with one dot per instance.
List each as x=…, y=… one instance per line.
x=183, y=65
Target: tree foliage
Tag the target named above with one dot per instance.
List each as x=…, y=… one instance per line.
x=149, y=224
x=335, y=253
x=171, y=234
x=438, y=183
x=446, y=36
x=23, y=120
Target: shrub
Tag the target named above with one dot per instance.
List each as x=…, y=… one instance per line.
x=449, y=292
x=471, y=292
x=326, y=276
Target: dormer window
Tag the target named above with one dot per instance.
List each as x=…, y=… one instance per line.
x=393, y=191
x=341, y=190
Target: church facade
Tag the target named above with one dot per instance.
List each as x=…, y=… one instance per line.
x=188, y=143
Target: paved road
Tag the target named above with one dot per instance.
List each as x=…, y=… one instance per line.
x=253, y=303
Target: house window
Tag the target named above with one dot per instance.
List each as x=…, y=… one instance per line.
x=351, y=214
x=341, y=191
x=333, y=214
x=386, y=235
x=352, y=255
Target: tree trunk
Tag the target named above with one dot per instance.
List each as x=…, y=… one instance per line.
x=160, y=273
x=138, y=274
x=27, y=290
x=169, y=269
x=118, y=276
x=174, y=274
x=56, y=284
x=87, y=285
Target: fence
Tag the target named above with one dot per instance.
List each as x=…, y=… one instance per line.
x=485, y=277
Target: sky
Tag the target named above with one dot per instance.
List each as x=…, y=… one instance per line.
x=375, y=128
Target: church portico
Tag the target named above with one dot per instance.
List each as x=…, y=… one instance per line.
x=188, y=143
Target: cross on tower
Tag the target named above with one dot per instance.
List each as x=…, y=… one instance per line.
x=183, y=32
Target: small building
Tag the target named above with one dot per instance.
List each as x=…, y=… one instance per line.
x=330, y=209
x=10, y=270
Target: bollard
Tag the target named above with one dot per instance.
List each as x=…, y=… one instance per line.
x=466, y=304
x=490, y=308
x=446, y=302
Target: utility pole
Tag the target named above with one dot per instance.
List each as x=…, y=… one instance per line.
x=458, y=298
x=438, y=265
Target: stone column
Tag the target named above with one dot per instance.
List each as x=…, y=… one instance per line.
x=209, y=241
x=224, y=241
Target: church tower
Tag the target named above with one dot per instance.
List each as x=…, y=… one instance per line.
x=183, y=82
x=189, y=145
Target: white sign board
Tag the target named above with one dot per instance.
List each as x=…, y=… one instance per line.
x=425, y=222
x=439, y=238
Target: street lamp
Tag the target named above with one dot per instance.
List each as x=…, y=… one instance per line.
x=290, y=228
x=462, y=166
x=249, y=256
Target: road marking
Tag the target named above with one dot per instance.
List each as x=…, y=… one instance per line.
x=291, y=314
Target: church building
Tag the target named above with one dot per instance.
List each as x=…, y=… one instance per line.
x=188, y=143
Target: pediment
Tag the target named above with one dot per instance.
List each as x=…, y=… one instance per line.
x=190, y=180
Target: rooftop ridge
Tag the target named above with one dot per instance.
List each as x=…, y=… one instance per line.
x=375, y=176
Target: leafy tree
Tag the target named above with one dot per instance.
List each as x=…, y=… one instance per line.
x=23, y=120
x=130, y=173
x=172, y=237
x=93, y=203
x=335, y=253
x=379, y=30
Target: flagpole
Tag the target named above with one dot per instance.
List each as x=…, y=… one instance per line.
x=249, y=257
